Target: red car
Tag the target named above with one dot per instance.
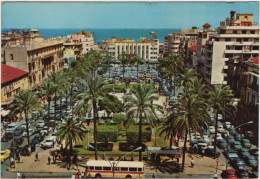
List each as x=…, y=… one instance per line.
x=229, y=173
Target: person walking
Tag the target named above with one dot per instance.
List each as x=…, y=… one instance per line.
x=78, y=172
x=153, y=175
x=202, y=153
x=23, y=175
x=49, y=160
x=18, y=158
x=37, y=157
x=192, y=162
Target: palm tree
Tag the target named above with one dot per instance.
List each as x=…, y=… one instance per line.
x=27, y=102
x=221, y=99
x=195, y=85
x=47, y=89
x=138, y=61
x=96, y=92
x=192, y=115
x=108, y=61
x=140, y=105
x=168, y=128
x=187, y=75
x=71, y=131
x=123, y=57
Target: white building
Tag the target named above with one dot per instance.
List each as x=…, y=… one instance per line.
x=235, y=38
x=148, y=49
x=86, y=39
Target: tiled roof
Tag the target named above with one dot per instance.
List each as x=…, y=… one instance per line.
x=206, y=25
x=9, y=73
x=193, y=48
x=255, y=60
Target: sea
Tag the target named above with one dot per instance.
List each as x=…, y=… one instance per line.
x=100, y=34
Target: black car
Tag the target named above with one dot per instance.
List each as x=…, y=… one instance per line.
x=17, y=142
x=210, y=152
x=37, y=139
x=242, y=174
x=19, y=130
x=24, y=151
x=7, y=137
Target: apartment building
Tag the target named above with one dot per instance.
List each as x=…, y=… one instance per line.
x=198, y=60
x=13, y=80
x=235, y=38
x=35, y=55
x=179, y=42
x=148, y=49
x=86, y=39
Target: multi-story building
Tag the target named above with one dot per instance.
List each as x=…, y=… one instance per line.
x=11, y=38
x=148, y=49
x=36, y=56
x=235, y=38
x=179, y=42
x=72, y=48
x=13, y=80
x=86, y=39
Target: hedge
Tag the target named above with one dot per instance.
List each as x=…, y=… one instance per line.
x=107, y=133
x=132, y=134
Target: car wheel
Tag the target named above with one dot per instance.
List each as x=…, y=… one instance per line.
x=128, y=176
x=98, y=175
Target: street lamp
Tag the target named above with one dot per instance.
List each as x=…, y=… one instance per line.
x=114, y=164
x=250, y=122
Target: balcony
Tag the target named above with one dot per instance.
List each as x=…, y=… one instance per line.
x=233, y=51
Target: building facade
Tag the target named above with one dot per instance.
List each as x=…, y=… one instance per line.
x=86, y=39
x=36, y=56
x=148, y=49
x=13, y=80
x=235, y=38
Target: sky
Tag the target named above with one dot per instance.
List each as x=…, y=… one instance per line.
x=120, y=14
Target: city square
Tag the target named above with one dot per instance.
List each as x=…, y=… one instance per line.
x=179, y=105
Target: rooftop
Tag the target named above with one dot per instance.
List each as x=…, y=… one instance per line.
x=9, y=73
x=206, y=25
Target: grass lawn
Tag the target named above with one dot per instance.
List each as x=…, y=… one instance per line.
x=81, y=149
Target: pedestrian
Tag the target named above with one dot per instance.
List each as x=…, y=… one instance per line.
x=153, y=175
x=36, y=157
x=18, y=158
x=132, y=157
x=54, y=160
x=12, y=161
x=59, y=155
x=18, y=175
x=49, y=160
x=192, y=162
x=202, y=153
x=82, y=174
x=23, y=175
x=73, y=176
x=78, y=172
x=76, y=176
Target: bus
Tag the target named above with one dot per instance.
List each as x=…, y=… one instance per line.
x=123, y=169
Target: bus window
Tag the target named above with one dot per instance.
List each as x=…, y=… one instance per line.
x=117, y=169
x=133, y=169
x=98, y=168
x=124, y=169
x=91, y=168
x=140, y=170
x=107, y=168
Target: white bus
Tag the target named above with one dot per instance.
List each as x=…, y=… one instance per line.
x=123, y=169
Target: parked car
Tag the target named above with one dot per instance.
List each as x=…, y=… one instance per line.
x=40, y=124
x=45, y=130
x=5, y=154
x=17, y=142
x=47, y=143
x=230, y=140
x=251, y=160
x=220, y=128
x=227, y=125
x=240, y=151
x=238, y=164
x=212, y=129
x=11, y=127
x=24, y=124
x=225, y=134
x=37, y=139
x=229, y=173
x=246, y=143
x=230, y=153
x=242, y=174
x=19, y=130
x=222, y=143
x=236, y=146
x=24, y=151
x=237, y=136
x=210, y=152
x=7, y=137
x=31, y=131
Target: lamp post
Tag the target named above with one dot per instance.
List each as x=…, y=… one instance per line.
x=114, y=164
x=250, y=122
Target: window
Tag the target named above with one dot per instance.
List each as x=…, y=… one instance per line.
x=245, y=16
x=98, y=168
x=107, y=168
x=12, y=56
x=133, y=169
x=124, y=169
x=243, y=31
x=140, y=169
x=91, y=168
x=234, y=31
x=246, y=40
x=252, y=32
x=227, y=39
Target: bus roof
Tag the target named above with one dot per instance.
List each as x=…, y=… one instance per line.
x=104, y=163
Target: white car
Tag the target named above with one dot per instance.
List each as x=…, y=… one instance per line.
x=220, y=117
x=227, y=125
x=219, y=136
x=45, y=130
x=31, y=131
x=212, y=129
x=40, y=124
x=53, y=136
x=24, y=124
x=220, y=128
x=47, y=143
